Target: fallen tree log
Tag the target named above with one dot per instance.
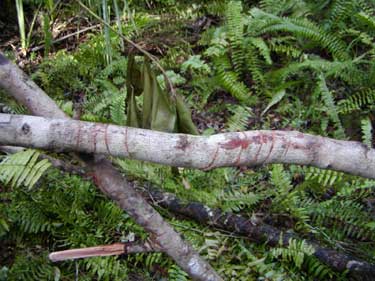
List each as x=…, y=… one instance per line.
x=258, y=232
x=181, y=150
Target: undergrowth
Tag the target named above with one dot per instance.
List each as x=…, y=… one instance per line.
x=291, y=64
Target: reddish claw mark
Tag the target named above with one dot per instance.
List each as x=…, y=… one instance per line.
x=78, y=135
x=106, y=139
x=287, y=148
x=126, y=141
x=244, y=145
x=209, y=166
x=236, y=143
x=261, y=139
x=257, y=154
x=269, y=152
x=96, y=130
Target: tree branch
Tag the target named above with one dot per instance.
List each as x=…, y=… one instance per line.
x=181, y=150
x=102, y=251
x=259, y=232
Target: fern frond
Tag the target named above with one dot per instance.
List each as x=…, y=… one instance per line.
x=325, y=178
x=351, y=221
x=366, y=128
x=117, y=109
x=280, y=179
x=32, y=222
x=262, y=47
x=28, y=268
x=254, y=65
x=212, y=246
x=282, y=46
x=357, y=101
x=367, y=20
x=23, y=168
x=175, y=273
x=318, y=269
x=204, y=86
x=235, y=27
x=332, y=111
x=240, y=118
x=295, y=253
x=236, y=200
x=229, y=79
x=341, y=9
x=265, y=22
x=346, y=70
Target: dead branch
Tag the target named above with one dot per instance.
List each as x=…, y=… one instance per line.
x=102, y=251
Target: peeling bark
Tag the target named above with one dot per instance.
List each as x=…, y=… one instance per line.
x=107, y=178
x=181, y=150
x=260, y=233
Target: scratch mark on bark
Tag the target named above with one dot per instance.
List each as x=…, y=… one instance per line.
x=235, y=143
x=245, y=144
x=270, y=151
x=106, y=139
x=209, y=166
x=287, y=147
x=260, y=137
x=126, y=141
x=78, y=135
x=95, y=134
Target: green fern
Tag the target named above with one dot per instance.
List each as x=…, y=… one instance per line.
x=329, y=103
x=345, y=70
x=366, y=128
x=235, y=27
x=239, y=121
x=287, y=199
x=283, y=47
x=117, y=109
x=230, y=79
x=23, y=168
x=32, y=222
x=254, y=66
x=324, y=178
x=263, y=22
x=175, y=273
x=350, y=222
x=295, y=253
x=237, y=200
x=341, y=9
x=263, y=49
x=357, y=101
x=30, y=268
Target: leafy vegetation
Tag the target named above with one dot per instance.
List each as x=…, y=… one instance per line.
x=293, y=64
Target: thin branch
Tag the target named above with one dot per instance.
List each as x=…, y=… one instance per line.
x=102, y=251
x=37, y=48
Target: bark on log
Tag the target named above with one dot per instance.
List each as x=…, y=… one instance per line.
x=261, y=233
x=109, y=180
x=181, y=150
